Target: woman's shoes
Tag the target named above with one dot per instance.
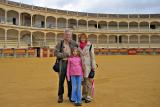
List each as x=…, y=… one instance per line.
x=87, y=101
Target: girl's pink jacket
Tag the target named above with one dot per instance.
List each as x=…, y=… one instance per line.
x=74, y=67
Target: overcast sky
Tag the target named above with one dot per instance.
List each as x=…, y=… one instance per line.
x=100, y=6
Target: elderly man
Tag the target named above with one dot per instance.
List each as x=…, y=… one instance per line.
x=63, y=51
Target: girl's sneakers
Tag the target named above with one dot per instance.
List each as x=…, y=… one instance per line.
x=83, y=99
x=78, y=104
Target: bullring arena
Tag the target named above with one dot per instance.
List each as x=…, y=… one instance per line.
x=127, y=48
x=120, y=81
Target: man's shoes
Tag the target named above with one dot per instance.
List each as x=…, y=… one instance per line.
x=60, y=99
x=78, y=104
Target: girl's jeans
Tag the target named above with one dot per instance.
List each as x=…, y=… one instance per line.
x=76, y=89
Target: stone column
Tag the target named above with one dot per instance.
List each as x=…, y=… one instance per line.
x=138, y=26
x=56, y=23
x=5, y=40
x=97, y=41
x=149, y=26
x=77, y=24
x=56, y=38
x=107, y=26
x=118, y=25
x=117, y=41
x=45, y=23
x=77, y=38
x=107, y=39
x=31, y=39
x=19, y=23
x=31, y=20
x=87, y=25
x=138, y=41
x=18, y=39
x=45, y=39
x=66, y=23
x=5, y=16
x=149, y=40
x=128, y=40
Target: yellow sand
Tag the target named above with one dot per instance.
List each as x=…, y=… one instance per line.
x=121, y=81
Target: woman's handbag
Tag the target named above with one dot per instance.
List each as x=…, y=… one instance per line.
x=91, y=74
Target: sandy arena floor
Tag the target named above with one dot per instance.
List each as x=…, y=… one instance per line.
x=121, y=81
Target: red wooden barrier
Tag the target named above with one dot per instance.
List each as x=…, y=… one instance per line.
x=8, y=51
x=114, y=50
x=20, y=51
x=31, y=51
x=149, y=50
x=123, y=50
x=45, y=52
x=51, y=53
x=158, y=50
x=132, y=52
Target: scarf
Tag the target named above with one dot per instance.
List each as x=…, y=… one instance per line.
x=82, y=45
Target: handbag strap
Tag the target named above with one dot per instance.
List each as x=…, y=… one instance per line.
x=60, y=50
x=61, y=46
x=90, y=54
x=90, y=48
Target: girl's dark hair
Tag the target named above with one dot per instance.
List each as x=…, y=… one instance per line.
x=75, y=48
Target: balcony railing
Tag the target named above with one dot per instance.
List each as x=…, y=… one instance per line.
x=83, y=28
x=115, y=45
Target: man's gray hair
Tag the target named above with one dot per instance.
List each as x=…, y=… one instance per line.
x=67, y=30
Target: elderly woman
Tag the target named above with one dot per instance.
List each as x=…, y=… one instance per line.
x=88, y=62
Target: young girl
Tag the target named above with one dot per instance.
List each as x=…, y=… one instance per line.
x=75, y=74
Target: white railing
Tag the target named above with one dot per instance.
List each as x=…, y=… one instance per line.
x=155, y=45
x=125, y=45
x=2, y=43
x=84, y=28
